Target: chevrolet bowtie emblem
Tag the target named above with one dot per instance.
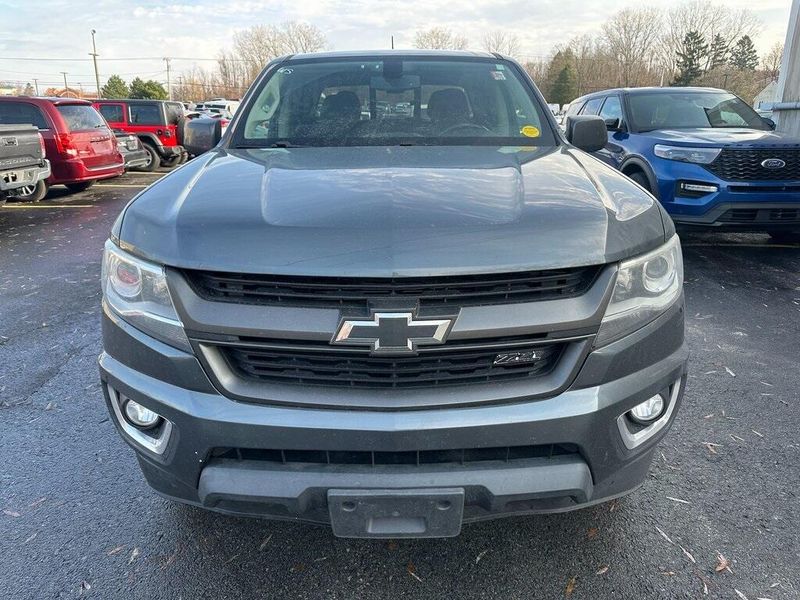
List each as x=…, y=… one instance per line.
x=392, y=332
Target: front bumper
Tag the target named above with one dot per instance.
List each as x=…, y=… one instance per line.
x=741, y=206
x=168, y=152
x=584, y=418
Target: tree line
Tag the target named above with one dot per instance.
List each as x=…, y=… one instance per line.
x=699, y=42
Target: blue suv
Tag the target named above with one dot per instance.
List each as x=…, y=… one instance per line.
x=705, y=154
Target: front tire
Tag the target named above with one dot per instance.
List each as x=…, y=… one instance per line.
x=154, y=160
x=81, y=186
x=641, y=179
x=785, y=236
x=31, y=193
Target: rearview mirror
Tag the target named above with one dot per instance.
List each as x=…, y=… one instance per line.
x=772, y=125
x=613, y=124
x=201, y=135
x=587, y=133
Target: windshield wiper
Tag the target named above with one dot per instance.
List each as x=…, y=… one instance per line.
x=284, y=144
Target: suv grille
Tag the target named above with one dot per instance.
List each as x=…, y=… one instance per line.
x=745, y=164
x=761, y=215
x=448, y=365
x=460, y=456
x=337, y=292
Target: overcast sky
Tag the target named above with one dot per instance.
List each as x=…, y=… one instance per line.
x=60, y=29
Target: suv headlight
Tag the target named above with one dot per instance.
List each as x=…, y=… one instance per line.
x=701, y=156
x=136, y=290
x=646, y=286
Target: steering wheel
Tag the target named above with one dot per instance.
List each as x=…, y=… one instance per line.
x=473, y=126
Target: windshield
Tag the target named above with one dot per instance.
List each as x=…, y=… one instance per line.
x=80, y=117
x=688, y=110
x=394, y=101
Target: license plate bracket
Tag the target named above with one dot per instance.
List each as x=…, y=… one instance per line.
x=396, y=513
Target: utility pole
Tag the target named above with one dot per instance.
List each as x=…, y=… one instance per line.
x=787, y=109
x=392, y=42
x=80, y=85
x=36, y=85
x=66, y=89
x=169, y=87
x=94, y=56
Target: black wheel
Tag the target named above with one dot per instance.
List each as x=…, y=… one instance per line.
x=641, y=179
x=30, y=193
x=153, y=159
x=184, y=158
x=170, y=162
x=80, y=186
x=785, y=236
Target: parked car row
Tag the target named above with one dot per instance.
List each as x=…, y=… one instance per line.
x=85, y=141
x=709, y=157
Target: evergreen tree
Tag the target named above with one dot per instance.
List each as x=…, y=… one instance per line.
x=564, y=88
x=718, y=53
x=147, y=89
x=744, y=55
x=690, y=58
x=115, y=88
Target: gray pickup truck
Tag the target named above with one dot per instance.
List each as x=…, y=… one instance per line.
x=394, y=322
x=22, y=161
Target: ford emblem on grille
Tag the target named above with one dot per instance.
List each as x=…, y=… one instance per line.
x=392, y=332
x=773, y=163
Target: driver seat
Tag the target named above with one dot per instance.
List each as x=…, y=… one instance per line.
x=448, y=107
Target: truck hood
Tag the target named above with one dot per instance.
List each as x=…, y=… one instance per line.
x=391, y=211
x=716, y=137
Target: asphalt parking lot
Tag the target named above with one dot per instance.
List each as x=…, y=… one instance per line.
x=719, y=516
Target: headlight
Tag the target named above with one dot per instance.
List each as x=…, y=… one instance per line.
x=137, y=292
x=646, y=286
x=702, y=156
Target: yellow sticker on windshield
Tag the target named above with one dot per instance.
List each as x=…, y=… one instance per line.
x=530, y=131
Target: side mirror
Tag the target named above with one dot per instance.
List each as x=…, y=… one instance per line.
x=613, y=124
x=587, y=133
x=201, y=135
x=770, y=123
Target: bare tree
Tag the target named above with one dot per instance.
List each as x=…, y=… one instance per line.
x=772, y=60
x=630, y=37
x=501, y=42
x=709, y=20
x=259, y=44
x=439, y=38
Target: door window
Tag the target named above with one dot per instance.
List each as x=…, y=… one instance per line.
x=145, y=114
x=612, y=109
x=112, y=113
x=592, y=106
x=22, y=113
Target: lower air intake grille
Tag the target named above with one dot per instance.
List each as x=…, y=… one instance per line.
x=434, y=367
x=461, y=456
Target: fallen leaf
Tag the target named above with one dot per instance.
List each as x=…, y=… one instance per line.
x=134, y=553
x=37, y=502
x=412, y=570
x=265, y=542
x=737, y=438
x=711, y=447
x=665, y=536
x=392, y=545
x=11, y=513
x=761, y=435
x=480, y=556
x=235, y=556
x=85, y=586
x=30, y=538
x=731, y=373
x=296, y=568
x=570, y=586
x=689, y=555
x=740, y=594
x=678, y=500
x=602, y=570
x=723, y=564
x=592, y=533
x=115, y=550
x=670, y=573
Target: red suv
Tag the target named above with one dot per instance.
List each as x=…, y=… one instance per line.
x=157, y=123
x=78, y=143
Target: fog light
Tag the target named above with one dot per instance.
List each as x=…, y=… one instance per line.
x=648, y=411
x=141, y=417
